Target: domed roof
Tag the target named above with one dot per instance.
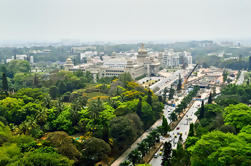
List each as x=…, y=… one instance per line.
x=68, y=59
x=142, y=50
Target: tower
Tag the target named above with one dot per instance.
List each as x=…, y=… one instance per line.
x=142, y=54
x=68, y=64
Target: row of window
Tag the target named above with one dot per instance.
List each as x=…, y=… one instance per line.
x=115, y=71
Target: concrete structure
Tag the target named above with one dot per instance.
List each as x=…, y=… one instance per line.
x=31, y=59
x=68, y=64
x=88, y=54
x=21, y=57
x=171, y=59
x=175, y=59
x=137, y=64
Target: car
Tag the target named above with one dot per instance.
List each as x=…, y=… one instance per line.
x=156, y=155
x=177, y=128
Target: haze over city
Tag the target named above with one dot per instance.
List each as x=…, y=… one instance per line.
x=107, y=20
x=125, y=82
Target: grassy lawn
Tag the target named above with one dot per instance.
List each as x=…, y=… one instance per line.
x=94, y=94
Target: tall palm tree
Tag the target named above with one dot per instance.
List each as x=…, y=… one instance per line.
x=135, y=156
x=143, y=147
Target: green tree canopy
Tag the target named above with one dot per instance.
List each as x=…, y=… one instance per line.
x=217, y=148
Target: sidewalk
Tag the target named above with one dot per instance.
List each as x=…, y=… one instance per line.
x=135, y=144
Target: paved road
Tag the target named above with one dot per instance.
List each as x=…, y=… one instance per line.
x=166, y=111
x=167, y=83
x=183, y=127
x=241, y=78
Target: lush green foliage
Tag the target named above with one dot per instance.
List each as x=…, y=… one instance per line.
x=186, y=100
x=107, y=117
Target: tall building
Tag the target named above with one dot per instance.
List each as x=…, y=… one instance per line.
x=142, y=55
x=171, y=59
x=31, y=59
x=188, y=58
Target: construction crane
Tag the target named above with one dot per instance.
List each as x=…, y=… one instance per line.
x=186, y=79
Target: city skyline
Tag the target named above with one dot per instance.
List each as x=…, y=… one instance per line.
x=110, y=20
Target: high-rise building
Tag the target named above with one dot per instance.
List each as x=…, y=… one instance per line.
x=31, y=59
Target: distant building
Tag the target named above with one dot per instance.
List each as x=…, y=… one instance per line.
x=88, y=54
x=188, y=58
x=31, y=59
x=175, y=59
x=9, y=60
x=171, y=59
x=82, y=49
x=137, y=64
x=21, y=57
x=68, y=64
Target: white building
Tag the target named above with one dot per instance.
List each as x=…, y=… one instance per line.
x=139, y=65
x=171, y=59
x=21, y=57
x=188, y=58
x=31, y=59
x=88, y=54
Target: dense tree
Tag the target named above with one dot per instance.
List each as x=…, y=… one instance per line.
x=122, y=131
x=5, y=133
x=135, y=156
x=5, y=83
x=191, y=130
x=173, y=117
x=179, y=83
x=40, y=158
x=167, y=150
x=10, y=109
x=31, y=95
x=35, y=81
x=180, y=156
x=171, y=93
x=53, y=92
x=17, y=66
x=225, y=74
x=94, y=150
x=237, y=115
x=202, y=110
x=61, y=87
x=165, y=126
x=139, y=108
x=191, y=140
x=148, y=115
x=124, y=78
x=64, y=144
x=143, y=147
x=164, y=98
x=126, y=163
x=63, y=121
x=149, y=97
x=210, y=99
x=217, y=148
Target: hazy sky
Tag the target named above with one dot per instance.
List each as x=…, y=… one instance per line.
x=124, y=19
